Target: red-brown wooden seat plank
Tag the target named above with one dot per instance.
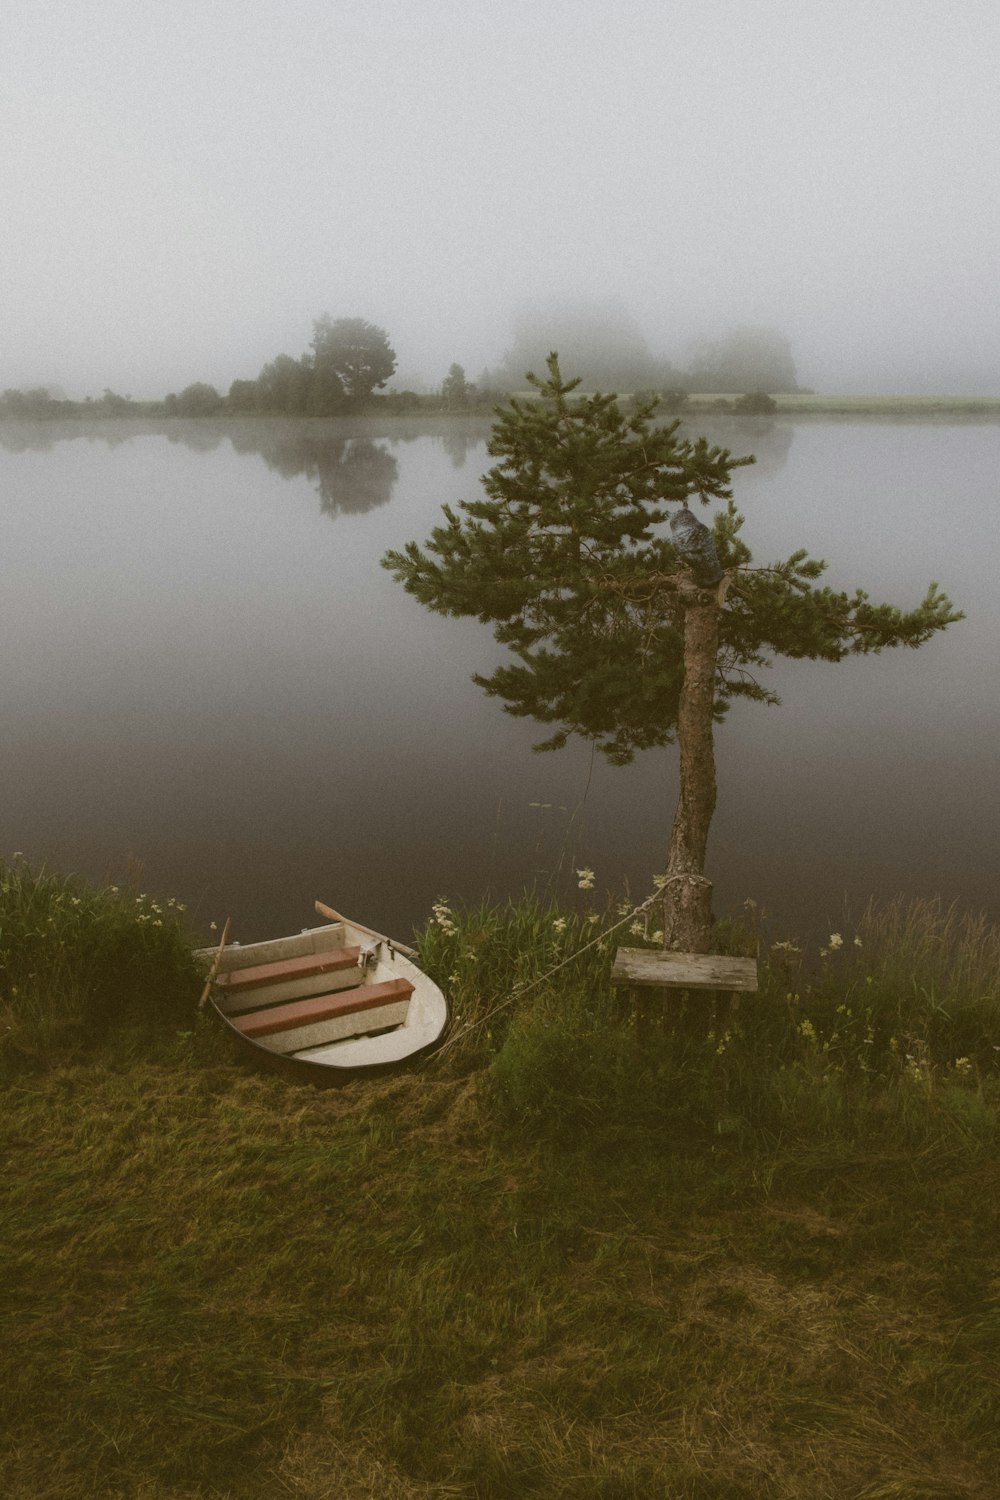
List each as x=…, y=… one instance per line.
x=322, y=1008
x=261, y=975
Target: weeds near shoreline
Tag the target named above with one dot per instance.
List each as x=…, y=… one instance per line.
x=892, y=1030
x=78, y=961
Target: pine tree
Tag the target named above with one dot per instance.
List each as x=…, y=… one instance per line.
x=621, y=628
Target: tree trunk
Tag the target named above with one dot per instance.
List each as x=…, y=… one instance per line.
x=687, y=902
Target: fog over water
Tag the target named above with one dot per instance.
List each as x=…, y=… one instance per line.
x=187, y=186
x=206, y=667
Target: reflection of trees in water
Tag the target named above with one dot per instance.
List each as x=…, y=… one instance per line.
x=770, y=441
x=458, y=439
x=355, y=475
x=202, y=436
x=355, y=471
x=352, y=474
x=42, y=436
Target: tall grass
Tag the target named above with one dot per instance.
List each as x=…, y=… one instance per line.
x=78, y=960
x=892, y=1030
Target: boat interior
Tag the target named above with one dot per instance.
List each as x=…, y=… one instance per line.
x=299, y=994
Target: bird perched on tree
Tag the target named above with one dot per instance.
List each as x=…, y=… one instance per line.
x=695, y=547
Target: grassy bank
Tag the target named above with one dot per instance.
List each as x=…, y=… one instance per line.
x=581, y=1252
x=815, y=404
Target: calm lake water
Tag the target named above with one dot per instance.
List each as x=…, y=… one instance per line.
x=205, y=670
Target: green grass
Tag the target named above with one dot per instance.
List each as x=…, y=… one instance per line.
x=581, y=1252
x=80, y=963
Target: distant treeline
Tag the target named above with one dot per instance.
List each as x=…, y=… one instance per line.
x=350, y=362
x=344, y=371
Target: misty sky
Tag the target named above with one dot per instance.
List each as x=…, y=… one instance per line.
x=186, y=184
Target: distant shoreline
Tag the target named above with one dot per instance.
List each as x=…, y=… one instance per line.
x=410, y=405
x=801, y=405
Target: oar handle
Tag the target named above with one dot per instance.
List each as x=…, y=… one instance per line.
x=334, y=916
x=216, y=961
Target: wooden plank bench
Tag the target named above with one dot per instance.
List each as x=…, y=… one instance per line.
x=662, y=970
x=288, y=979
x=330, y=1017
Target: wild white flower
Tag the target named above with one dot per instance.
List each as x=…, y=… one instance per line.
x=443, y=916
x=559, y=925
x=593, y=919
x=858, y=943
x=585, y=880
x=657, y=936
x=836, y=941
x=638, y=928
x=212, y=927
x=659, y=881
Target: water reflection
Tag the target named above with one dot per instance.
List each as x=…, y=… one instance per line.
x=351, y=466
x=351, y=474
x=767, y=438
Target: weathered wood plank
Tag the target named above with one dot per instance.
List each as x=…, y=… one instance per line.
x=683, y=971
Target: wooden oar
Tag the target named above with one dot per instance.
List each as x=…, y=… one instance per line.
x=334, y=916
x=216, y=961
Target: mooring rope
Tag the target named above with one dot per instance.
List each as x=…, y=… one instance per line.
x=520, y=990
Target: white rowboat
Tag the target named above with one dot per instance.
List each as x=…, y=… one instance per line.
x=330, y=1003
